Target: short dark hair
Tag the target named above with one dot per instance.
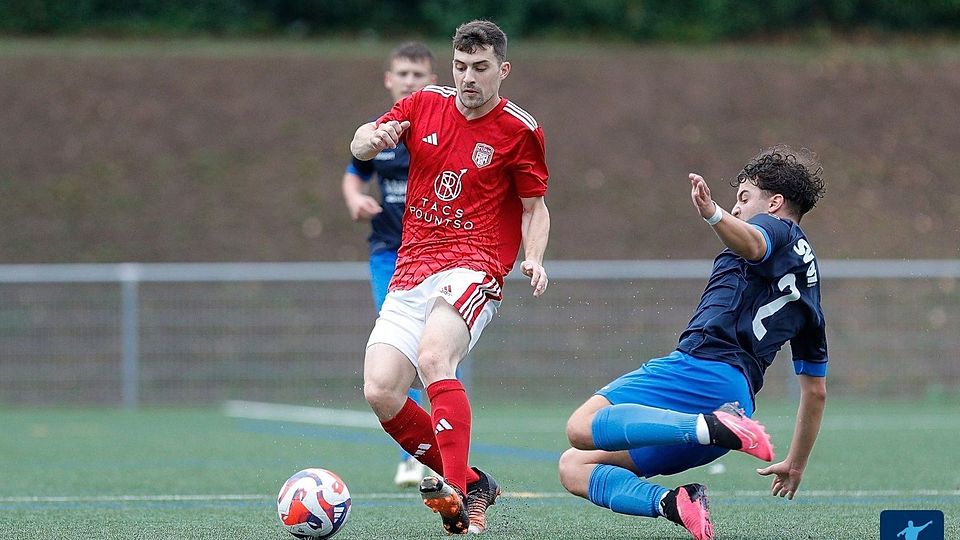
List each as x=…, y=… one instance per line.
x=794, y=174
x=474, y=35
x=413, y=51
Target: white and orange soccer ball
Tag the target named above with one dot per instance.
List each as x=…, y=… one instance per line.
x=314, y=503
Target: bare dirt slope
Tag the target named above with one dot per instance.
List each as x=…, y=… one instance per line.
x=206, y=155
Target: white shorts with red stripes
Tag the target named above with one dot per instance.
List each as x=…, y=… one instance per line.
x=476, y=295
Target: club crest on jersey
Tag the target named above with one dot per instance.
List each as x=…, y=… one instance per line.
x=447, y=186
x=482, y=155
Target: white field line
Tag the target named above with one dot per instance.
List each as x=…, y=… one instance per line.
x=254, y=410
x=852, y=494
x=294, y=413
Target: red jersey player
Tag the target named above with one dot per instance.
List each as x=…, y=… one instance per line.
x=475, y=192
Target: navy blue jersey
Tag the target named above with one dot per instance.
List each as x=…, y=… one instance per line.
x=750, y=309
x=391, y=167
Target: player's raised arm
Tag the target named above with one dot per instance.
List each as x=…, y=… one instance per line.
x=371, y=138
x=789, y=472
x=535, y=231
x=741, y=237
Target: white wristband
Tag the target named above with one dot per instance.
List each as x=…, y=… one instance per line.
x=716, y=217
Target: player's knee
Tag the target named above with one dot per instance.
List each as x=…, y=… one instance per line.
x=435, y=366
x=565, y=467
x=580, y=433
x=384, y=400
x=570, y=468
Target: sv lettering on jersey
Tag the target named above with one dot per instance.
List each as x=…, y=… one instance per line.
x=394, y=191
x=804, y=250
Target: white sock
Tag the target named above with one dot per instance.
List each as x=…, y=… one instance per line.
x=703, y=432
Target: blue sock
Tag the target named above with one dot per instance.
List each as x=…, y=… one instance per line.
x=627, y=426
x=415, y=394
x=624, y=492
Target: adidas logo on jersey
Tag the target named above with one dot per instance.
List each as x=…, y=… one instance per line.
x=430, y=139
x=442, y=425
x=446, y=290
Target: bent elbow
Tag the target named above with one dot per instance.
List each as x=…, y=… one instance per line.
x=355, y=150
x=758, y=250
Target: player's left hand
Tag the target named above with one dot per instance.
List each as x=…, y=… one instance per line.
x=700, y=194
x=786, y=479
x=537, y=275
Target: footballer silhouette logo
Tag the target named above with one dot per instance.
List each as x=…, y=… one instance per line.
x=447, y=186
x=912, y=525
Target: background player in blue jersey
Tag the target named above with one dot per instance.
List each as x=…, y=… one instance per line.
x=689, y=408
x=410, y=68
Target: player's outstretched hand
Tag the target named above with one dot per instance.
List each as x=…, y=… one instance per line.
x=537, y=275
x=700, y=193
x=786, y=479
x=387, y=134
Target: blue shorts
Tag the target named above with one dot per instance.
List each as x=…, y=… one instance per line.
x=382, y=266
x=680, y=383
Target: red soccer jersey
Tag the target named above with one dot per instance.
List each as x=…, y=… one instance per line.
x=466, y=179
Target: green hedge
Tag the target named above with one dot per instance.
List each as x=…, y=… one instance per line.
x=641, y=20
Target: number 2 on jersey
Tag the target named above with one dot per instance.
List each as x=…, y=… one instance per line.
x=788, y=284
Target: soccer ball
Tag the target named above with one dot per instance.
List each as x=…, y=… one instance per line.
x=314, y=503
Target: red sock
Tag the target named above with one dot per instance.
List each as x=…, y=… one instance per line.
x=413, y=429
x=451, y=421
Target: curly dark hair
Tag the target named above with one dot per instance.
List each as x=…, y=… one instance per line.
x=794, y=174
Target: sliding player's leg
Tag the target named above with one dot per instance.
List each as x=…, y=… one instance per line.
x=675, y=400
x=656, y=420
x=614, y=480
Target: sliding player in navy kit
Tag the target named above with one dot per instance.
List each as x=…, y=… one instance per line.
x=691, y=407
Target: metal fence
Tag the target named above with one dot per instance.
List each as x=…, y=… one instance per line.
x=294, y=332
